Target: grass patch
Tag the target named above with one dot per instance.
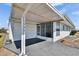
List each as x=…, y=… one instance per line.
x=2, y=38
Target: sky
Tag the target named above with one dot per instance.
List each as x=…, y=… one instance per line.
x=5, y=10
x=69, y=9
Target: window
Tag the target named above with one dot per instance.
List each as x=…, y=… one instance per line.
x=42, y=29
x=66, y=28
x=57, y=28
x=38, y=29
x=45, y=29
x=63, y=27
x=49, y=29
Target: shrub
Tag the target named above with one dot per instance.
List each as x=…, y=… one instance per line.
x=2, y=38
x=73, y=32
x=3, y=30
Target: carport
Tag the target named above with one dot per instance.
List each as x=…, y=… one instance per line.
x=24, y=18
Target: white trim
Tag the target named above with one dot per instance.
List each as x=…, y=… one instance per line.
x=56, y=11
x=10, y=32
x=23, y=30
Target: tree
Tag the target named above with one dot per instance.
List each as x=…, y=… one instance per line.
x=3, y=30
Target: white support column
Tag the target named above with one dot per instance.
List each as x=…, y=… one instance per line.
x=23, y=36
x=10, y=30
x=54, y=31
x=23, y=30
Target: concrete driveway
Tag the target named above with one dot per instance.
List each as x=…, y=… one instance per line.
x=51, y=49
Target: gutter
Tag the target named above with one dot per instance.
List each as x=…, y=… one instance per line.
x=69, y=21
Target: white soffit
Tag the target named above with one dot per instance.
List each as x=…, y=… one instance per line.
x=42, y=13
x=39, y=12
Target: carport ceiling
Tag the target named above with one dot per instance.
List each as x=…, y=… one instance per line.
x=38, y=12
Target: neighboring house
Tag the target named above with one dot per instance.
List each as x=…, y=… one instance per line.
x=38, y=20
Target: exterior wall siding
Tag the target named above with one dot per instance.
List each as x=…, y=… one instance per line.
x=62, y=33
x=30, y=30
x=45, y=38
x=17, y=31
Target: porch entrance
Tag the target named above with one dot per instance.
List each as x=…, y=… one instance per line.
x=45, y=29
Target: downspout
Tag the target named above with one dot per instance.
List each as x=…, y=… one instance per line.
x=10, y=27
x=23, y=30
x=10, y=31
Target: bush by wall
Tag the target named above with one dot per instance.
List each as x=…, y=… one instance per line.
x=3, y=30
x=73, y=32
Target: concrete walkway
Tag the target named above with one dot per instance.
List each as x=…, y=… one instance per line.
x=12, y=48
x=51, y=49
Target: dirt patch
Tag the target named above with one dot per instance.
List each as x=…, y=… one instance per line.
x=6, y=52
x=71, y=42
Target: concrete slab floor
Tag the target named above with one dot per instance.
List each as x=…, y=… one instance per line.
x=51, y=49
x=12, y=48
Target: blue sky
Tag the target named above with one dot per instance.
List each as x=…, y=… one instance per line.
x=69, y=9
x=4, y=14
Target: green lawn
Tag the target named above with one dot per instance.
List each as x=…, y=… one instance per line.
x=2, y=38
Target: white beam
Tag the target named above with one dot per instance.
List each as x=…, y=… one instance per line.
x=23, y=30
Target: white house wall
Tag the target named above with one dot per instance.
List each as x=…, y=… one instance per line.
x=30, y=29
x=17, y=31
x=62, y=33
x=45, y=38
x=31, y=32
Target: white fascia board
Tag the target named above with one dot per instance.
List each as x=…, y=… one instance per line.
x=55, y=10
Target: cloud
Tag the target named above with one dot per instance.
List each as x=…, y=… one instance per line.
x=77, y=28
x=0, y=24
x=56, y=4
x=75, y=13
